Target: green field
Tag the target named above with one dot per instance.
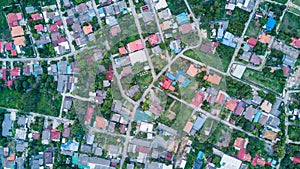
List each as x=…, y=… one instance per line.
x=252, y=30
x=190, y=39
x=272, y=82
x=183, y=113
x=297, y=2
x=294, y=10
x=281, y=1
x=293, y=132
x=291, y=25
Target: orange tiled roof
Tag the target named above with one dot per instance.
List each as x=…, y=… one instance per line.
x=192, y=71
x=264, y=38
x=19, y=41
x=87, y=29
x=101, y=122
x=214, y=79
x=17, y=31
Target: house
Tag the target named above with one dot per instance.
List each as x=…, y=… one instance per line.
x=182, y=18
x=198, y=123
x=17, y=31
x=154, y=39
x=135, y=46
x=266, y=106
x=138, y=56
x=146, y=127
x=264, y=38
x=66, y=131
x=252, y=42
x=239, y=143
x=198, y=99
x=263, y=119
x=22, y=121
x=220, y=98
x=7, y=126
x=165, y=14
x=296, y=159
x=185, y=28
x=36, y=16
x=228, y=162
x=214, y=79
x=166, y=25
x=175, y=46
x=100, y=122
x=270, y=135
x=14, y=18
x=231, y=104
x=245, y=56
x=39, y=28
x=255, y=60
x=289, y=60
x=207, y=47
x=239, y=108
x=55, y=135
x=81, y=8
x=76, y=27
x=87, y=29
x=116, y=106
x=48, y=156
x=188, y=127
x=295, y=42
x=161, y=4
x=243, y=156
x=111, y=21
x=113, y=150
x=286, y=70
x=167, y=84
x=88, y=114
x=228, y=40
x=122, y=51
x=270, y=24
x=85, y=148
x=46, y=137
x=249, y=113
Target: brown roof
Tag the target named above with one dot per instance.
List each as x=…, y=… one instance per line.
x=264, y=38
x=214, y=79
x=141, y=149
x=19, y=41
x=115, y=30
x=188, y=126
x=192, y=71
x=17, y=31
x=270, y=135
x=239, y=142
x=101, y=122
x=185, y=28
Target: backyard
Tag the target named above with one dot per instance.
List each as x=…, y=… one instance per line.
x=293, y=132
x=253, y=29
x=177, y=6
x=183, y=113
x=290, y=27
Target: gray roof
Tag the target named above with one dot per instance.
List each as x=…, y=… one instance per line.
x=21, y=146
x=133, y=90
x=274, y=122
x=30, y=9
x=85, y=148
x=167, y=129
x=68, y=103
x=249, y=113
x=246, y=56
x=113, y=149
x=117, y=106
x=7, y=126
x=256, y=100
x=98, y=151
x=275, y=107
x=130, y=166
x=155, y=165
x=21, y=121
x=289, y=60
x=111, y=21
x=46, y=135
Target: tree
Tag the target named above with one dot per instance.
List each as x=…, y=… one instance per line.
x=271, y=98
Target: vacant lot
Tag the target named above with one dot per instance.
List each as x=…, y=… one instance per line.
x=294, y=133
x=297, y=2
x=272, y=82
x=294, y=10
x=253, y=29
x=290, y=25
x=183, y=113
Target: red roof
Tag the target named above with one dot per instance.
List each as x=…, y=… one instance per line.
x=122, y=128
x=15, y=71
x=53, y=28
x=39, y=27
x=135, y=45
x=296, y=160
x=122, y=51
x=166, y=83
x=59, y=23
x=220, y=98
x=252, y=42
x=36, y=136
x=12, y=19
x=169, y=156
x=110, y=74
x=8, y=46
x=296, y=42
x=231, y=104
x=19, y=16
x=9, y=83
x=153, y=39
x=55, y=135
x=13, y=52
x=36, y=16
x=286, y=70
x=141, y=149
x=254, y=161
x=88, y=114
x=241, y=154
x=198, y=99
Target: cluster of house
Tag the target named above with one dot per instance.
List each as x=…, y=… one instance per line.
x=78, y=19
x=170, y=81
x=63, y=72
x=118, y=121
x=246, y=5
x=248, y=54
x=9, y=75
x=16, y=24
x=48, y=28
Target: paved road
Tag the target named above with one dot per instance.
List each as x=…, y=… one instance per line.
x=69, y=37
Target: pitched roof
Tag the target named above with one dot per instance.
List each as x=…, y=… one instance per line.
x=295, y=42
x=198, y=99
x=153, y=39
x=252, y=42
x=88, y=114
x=214, y=79
x=185, y=28
x=87, y=29
x=122, y=51
x=188, y=126
x=296, y=159
x=13, y=53
x=231, y=104
x=239, y=142
x=264, y=38
x=55, y=135
x=270, y=24
x=12, y=19
x=220, y=98
x=240, y=108
x=101, y=122
x=249, y=113
x=17, y=31
x=8, y=46
x=36, y=16
x=53, y=28
x=286, y=70
x=166, y=83
x=266, y=106
x=255, y=59
x=192, y=71
x=270, y=135
x=142, y=149
x=39, y=27
x=19, y=41
x=135, y=45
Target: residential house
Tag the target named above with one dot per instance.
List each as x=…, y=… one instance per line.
x=133, y=90
x=270, y=135
x=100, y=122
x=175, y=46
x=198, y=99
x=185, y=28
x=48, y=156
x=88, y=114
x=231, y=104
x=7, y=126
x=249, y=113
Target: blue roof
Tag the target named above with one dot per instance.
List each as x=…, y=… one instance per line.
x=141, y=116
x=228, y=43
x=200, y=155
x=182, y=18
x=101, y=11
x=257, y=116
x=180, y=73
x=271, y=23
x=186, y=83
x=199, y=123
x=197, y=164
x=171, y=76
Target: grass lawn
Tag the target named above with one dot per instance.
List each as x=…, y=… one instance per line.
x=183, y=113
x=106, y=139
x=158, y=63
x=3, y=23
x=274, y=83
x=189, y=92
x=177, y=6
x=291, y=25
x=220, y=63
x=252, y=30
x=148, y=28
x=180, y=65
x=297, y=2
x=293, y=132
x=294, y=10
x=144, y=79
x=237, y=21
x=190, y=39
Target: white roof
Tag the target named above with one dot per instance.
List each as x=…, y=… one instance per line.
x=146, y=127
x=238, y=71
x=182, y=164
x=230, y=6
x=167, y=167
x=161, y=4
x=228, y=162
x=139, y=56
